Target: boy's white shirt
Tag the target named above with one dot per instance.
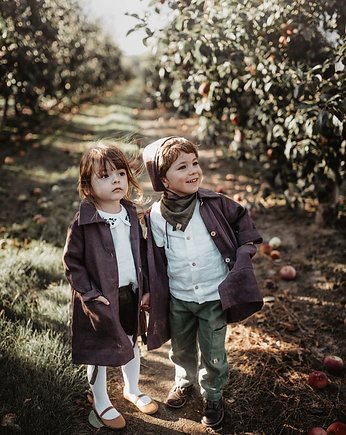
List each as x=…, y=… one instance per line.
x=120, y=230
x=195, y=266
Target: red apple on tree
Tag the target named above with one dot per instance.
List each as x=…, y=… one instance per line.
x=220, y=189
x=270, y=152
x=204, y=89
x=234, y=119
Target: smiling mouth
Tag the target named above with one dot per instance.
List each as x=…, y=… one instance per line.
x=194, y=180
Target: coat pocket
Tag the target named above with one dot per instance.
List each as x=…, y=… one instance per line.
x=100, y=315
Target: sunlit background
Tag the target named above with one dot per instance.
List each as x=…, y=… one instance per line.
x=112, y=14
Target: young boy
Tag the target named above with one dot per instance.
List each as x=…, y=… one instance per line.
x=200, y=245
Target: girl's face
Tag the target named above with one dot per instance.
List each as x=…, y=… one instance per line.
x=184, y=175
x=109, y=188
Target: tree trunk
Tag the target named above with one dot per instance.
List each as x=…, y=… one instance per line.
x=327, y=211
x=4, y=114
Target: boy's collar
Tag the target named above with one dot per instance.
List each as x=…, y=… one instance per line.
x=207, y=193
x=203, y=193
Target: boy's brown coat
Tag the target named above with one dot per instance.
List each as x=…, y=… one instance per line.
x=91, y=269
x=231, y=228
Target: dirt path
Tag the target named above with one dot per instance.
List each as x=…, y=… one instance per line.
x=270, y=354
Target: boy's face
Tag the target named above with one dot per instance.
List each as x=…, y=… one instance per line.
x=184, y=176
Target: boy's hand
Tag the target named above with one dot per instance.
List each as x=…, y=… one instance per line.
x=102, y=299
x=145, y=302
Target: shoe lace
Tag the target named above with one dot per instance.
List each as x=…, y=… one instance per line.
x=178, y=390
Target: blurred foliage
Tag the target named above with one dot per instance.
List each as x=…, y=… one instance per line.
x=267, y=81
x=51, y=53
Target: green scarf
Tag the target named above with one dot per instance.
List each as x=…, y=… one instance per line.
x=178, y=210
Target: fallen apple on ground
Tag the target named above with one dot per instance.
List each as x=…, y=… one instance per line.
x=275, y=254
x=265, y=248
x=275, y=242
x=39, y=219
x=317, y=431
x=334, y=364
x=318, y=379
x=337, y=428
x=288, y=273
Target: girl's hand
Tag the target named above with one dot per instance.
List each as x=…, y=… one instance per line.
x=145, y=302
x=102, y=299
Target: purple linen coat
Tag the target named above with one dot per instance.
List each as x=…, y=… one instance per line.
x=230, y=227
x=90, y=265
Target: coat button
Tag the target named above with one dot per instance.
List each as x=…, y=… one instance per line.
x=213, y=233
x=227, y=260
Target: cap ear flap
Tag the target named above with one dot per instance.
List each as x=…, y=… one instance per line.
x=154, y=177
x=150, y=156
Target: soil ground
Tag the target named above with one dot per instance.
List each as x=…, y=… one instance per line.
x=272, y=353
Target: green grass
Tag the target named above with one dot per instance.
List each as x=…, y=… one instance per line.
x=39, y=385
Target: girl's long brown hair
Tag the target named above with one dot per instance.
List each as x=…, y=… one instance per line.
x=97, y=157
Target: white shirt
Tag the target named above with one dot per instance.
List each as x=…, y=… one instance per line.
x=195, y=265
x=120, y=229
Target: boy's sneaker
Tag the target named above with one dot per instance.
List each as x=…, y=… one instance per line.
x=213, y=413
x=178, y=395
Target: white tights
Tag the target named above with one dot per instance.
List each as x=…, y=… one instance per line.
x=130, y=373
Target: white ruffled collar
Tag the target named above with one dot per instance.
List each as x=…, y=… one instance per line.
x=114, y=219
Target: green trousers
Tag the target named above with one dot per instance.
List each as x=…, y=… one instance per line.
x=198, y=352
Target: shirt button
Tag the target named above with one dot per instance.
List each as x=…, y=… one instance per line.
x=227, y=260
x=196, y=287
x=188, y=238
x=213, y=234
x=193, y=264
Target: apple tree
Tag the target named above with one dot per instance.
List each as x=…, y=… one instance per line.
x=50, y=53
x=267, y=81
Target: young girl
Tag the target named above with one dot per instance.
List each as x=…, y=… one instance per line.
x=104, y=260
